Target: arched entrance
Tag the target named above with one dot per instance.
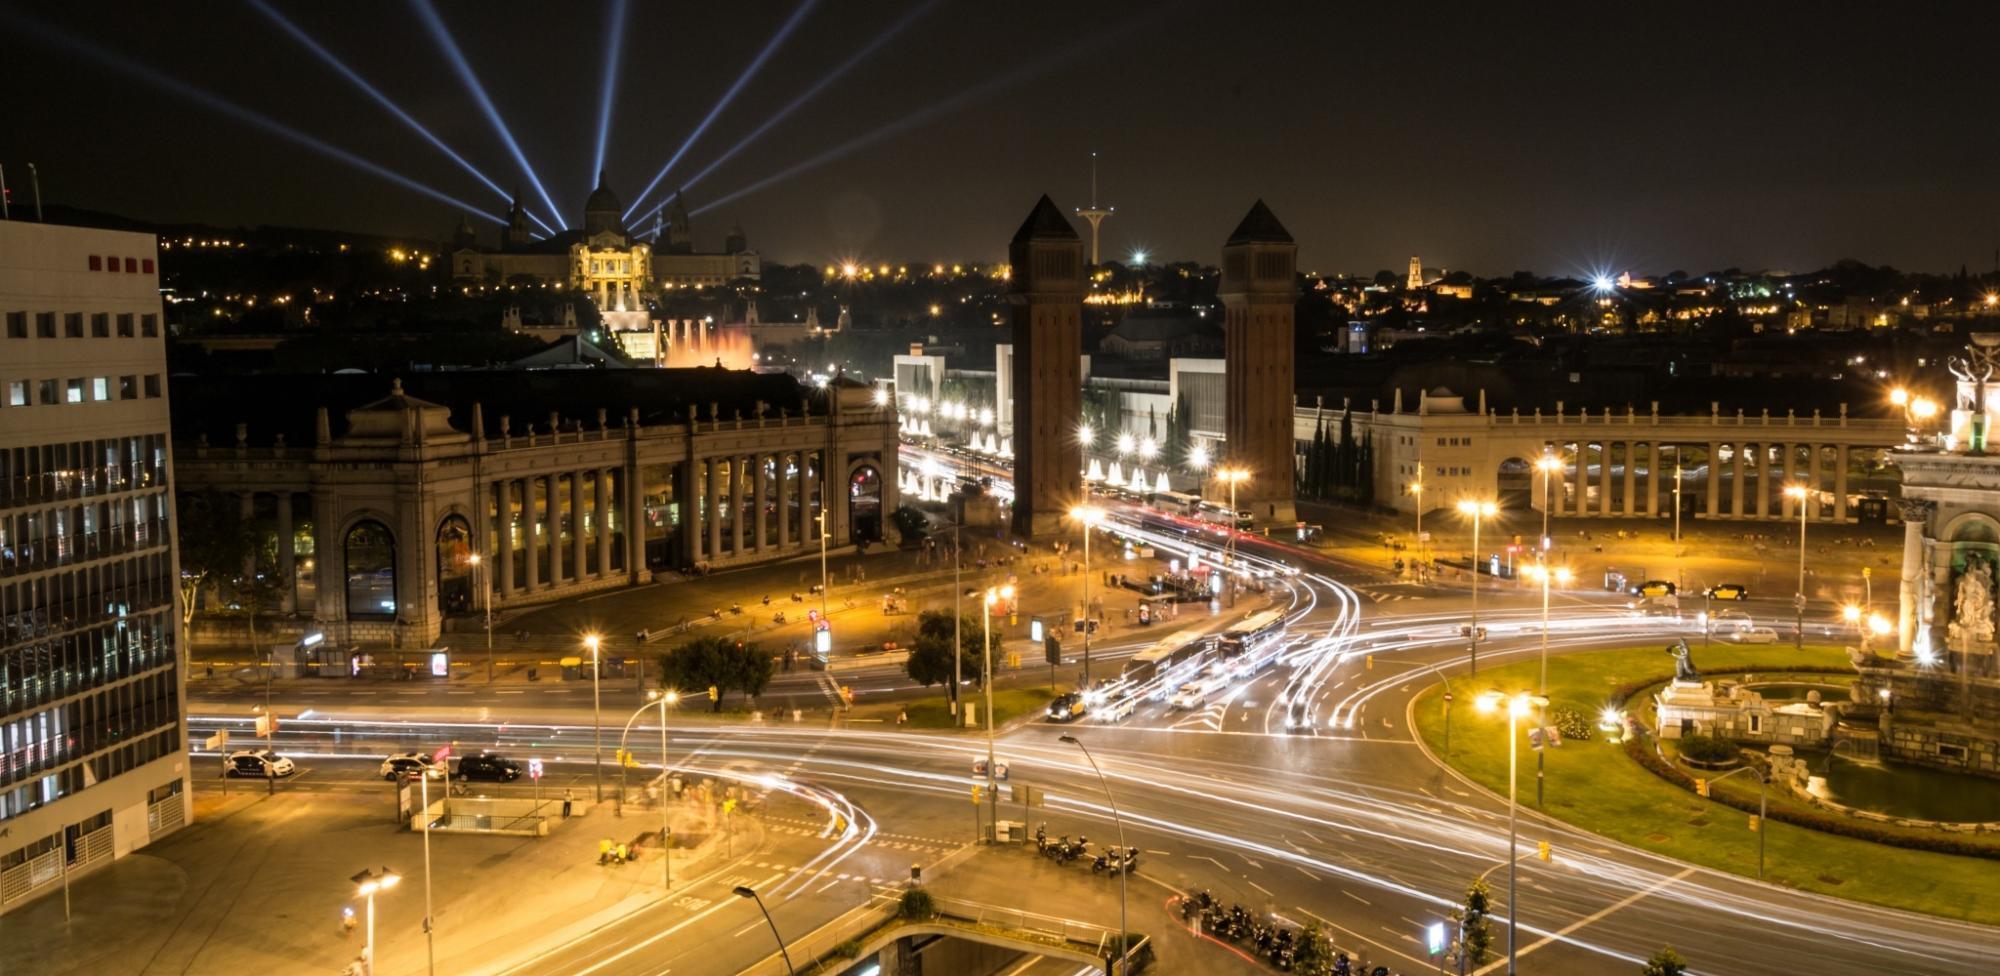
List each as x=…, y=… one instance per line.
x=369, y=553
x=1516, y=485
x=864, y=504
x=454, y=565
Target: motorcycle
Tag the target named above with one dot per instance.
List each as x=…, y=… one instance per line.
x=1116, y=860
x=1071, y=852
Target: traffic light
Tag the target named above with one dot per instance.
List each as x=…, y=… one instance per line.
x=1753, y=823
x=1542, y=850
x=713, y=693
x=1371, y=662
x=976, y=794
x=1052, y=649
x=1701, y=787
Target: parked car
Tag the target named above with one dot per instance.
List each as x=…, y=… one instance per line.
x=260, y=763
x=1728, y=591
x=413, y=764
x=1753, y=635
x=489, y=767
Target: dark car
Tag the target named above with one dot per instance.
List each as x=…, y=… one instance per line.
x=488, y=767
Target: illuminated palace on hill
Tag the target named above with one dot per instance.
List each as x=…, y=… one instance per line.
x=620, y=270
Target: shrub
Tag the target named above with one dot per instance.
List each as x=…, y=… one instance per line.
x=1571, y=723
x=848, y=949
x=1707, y=749
x=918, y=904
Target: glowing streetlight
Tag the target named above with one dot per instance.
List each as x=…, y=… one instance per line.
x=1518, y=704
x=1147, y=448
x=1089, y=518
x=1479, y=510
x=1232, y=477
x=1800, y=494
x=1548, y=464
x=1544, y=574
x=592, y=641
x=1198, y=457
x=1126, y=443
x=367, y=883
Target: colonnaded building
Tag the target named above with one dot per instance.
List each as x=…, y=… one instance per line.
x=374, y=494
x=617, y=268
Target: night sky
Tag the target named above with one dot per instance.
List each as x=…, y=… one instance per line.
x=1493, y=137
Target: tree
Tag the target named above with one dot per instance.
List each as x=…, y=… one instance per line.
x=1475, y=928
x=910, y=523
x=214, y=544
x=1665, y=962
x=930, y=661
x=719, y=663
x=1314, y=956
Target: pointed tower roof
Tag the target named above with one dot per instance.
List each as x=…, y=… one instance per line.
x=1259, y=226
x=1045, y=223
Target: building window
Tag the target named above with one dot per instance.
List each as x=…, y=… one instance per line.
x=73, y=391
x=17, y=393
x=152, y=386
x=149, y=325
x=17, y=325
x=1756, y=723
x=369, y=553
x=146, y=265
x=125, y=325
x=128, y=388
x=131, y=266
x=51, y=393
x=100, y=325
x=73, y=325
x=45, y=324
x=110, y=263
x=100, y=388
x=96, y=263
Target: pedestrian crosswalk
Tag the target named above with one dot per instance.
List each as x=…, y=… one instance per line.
x=788, y=868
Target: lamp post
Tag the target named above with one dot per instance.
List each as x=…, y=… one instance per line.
x=486, y=596
x=1479, y=511
x=1232, y=477
x=957, y=594
x=367, y=883
x=1544, y=574
x=993, y=595
x=1089, y=518
x=1763, y=786
x=1417, y=489
x=1517, y=704
x=820, y=519
x=596, y=716
x=1124, y=930
x=1799, y=493
x=745, y=891
x=1549, y=463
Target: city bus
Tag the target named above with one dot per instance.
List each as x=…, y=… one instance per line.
x=1215, y=514
x=1174, y=502
x=1251, y=645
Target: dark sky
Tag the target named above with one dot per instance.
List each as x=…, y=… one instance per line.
x=1494, y=137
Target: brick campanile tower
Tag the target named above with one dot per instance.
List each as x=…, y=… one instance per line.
x=1046, y=292
x=1258, y=291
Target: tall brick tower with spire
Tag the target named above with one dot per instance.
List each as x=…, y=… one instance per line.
x=1045, y=291
x=1259, y=288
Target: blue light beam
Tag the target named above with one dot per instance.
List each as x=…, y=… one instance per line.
x=442, y=34
x=750, y=71
x=963, y=98
x=616, y=28
x=843, y=68
x=306, y=40
x=117, y=62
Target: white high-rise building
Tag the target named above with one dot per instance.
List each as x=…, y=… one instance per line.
x=93, y=755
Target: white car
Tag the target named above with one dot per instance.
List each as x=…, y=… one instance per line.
x=411, y=763
x=1190, y=696
x=258, y=763
x=1753, y=635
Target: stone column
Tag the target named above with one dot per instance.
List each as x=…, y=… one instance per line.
x=576, y=557
x=1916, y=514
x=503, y=535
x=600, y=520
x=1711, y=487
x=1840, y=460
x=628, y=501
x=1763, y=465
x=1630, y=501
x=712, y=500
x=763, y=493
x=1655, y=453
x=329, y=567
x=1788, y=462
x=531, y=533
x=1813, y=510
x=808, y=529
x=1604, y=479
x=1736, y=491
x=1580, y=482
x=287, y=555
x=246, y=513
x=736, y=505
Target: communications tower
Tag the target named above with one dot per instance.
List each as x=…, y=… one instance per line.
x=1094, y=213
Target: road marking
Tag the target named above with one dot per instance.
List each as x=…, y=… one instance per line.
x=1211, y=860
x=1356, y=897
x=670, y=930
x=1026, y=964
x=1592, y=917
x=1307, y=873
x=1247, y=860
x=1266, y=891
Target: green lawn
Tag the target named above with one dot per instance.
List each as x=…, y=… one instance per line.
x=1595, y=786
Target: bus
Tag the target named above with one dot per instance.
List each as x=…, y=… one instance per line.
x=1251, y=645
x=1215, y=514
x=1151, y=672
x=1174, y=502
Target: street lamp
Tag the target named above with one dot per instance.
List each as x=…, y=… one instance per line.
x=1548, y=464
x=1799, y=493
x=1543, y=574
x=596, y=715
x=1479, y=511
x=823, y=536
x=367, y=883
x=1124, y=930
x=1232, y=477
x=993, y=595
x=745, y=891
x=486, y=594
x=1417, y=488
x=1089, y=518
x=1518, y=704
x=653, y=697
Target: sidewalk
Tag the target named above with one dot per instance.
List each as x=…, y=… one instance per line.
x=258, y=884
